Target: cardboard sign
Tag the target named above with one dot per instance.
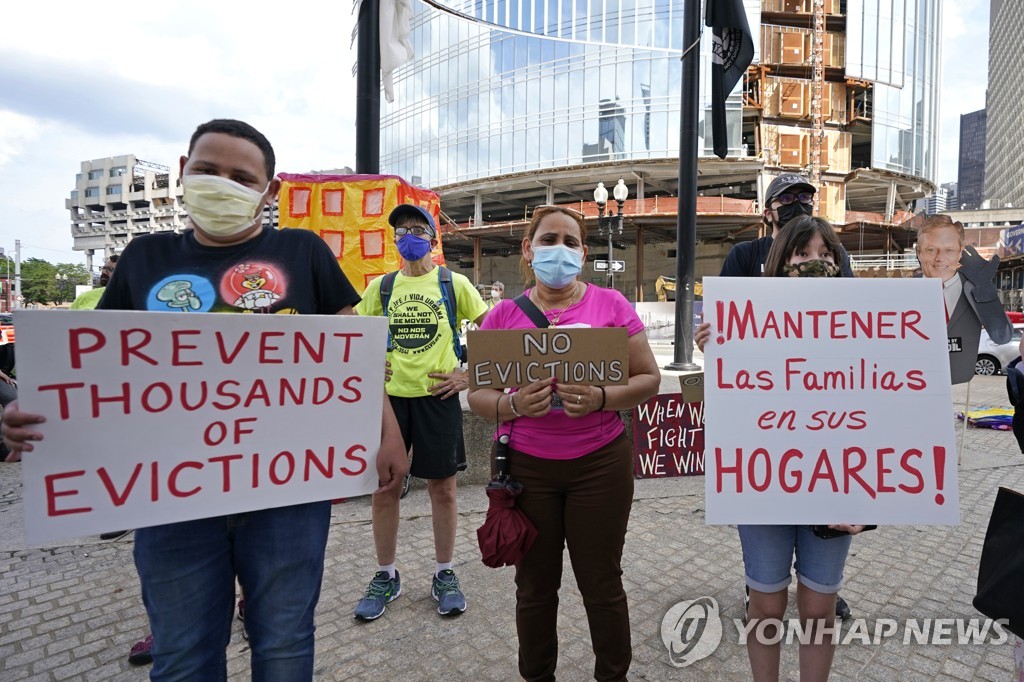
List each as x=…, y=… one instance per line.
x=692, y=387
x=512, y=358
x=668, y=437
x=153, y=418
x=828, y=402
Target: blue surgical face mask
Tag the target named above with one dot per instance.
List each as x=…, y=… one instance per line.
x=412, y=248
x=556, y=266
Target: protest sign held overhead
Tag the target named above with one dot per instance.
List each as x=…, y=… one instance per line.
x=156, y=418
x=828, y=403
x=512, y=358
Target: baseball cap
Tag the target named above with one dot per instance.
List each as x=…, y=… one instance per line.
x=403, y=210
x=784, y=183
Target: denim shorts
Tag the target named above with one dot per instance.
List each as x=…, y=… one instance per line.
x=768, y=558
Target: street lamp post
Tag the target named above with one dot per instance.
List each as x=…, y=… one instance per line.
x=7, y=282
x=62, y=286
x=609, y=222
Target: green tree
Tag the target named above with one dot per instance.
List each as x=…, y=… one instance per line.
x=38, y=282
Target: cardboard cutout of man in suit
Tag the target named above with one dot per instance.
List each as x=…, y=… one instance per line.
x=968, y=287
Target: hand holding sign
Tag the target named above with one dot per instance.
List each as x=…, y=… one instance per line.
x=578, y=400
x=17, y=437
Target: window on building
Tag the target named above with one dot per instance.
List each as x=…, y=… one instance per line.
x=78, y=178
x=96, y=174
x=118, y=171
x=92, y=192
x=113, y=189
x=74, y=195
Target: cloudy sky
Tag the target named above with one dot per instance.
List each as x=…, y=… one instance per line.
x=137, y=77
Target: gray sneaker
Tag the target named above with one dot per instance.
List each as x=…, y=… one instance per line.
x=446, y=592
x=382, y=591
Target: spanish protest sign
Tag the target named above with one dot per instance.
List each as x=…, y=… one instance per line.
x=512, y=358
x=153, y=418
x=828, y=402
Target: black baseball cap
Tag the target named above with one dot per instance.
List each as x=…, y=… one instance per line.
x=785, y=183
x=403, y=210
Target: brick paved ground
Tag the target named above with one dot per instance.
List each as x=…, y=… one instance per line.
x=71, y=612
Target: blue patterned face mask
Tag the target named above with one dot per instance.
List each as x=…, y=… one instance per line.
x=556, y=266
x=412, y=248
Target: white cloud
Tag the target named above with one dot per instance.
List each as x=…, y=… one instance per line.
x=131, y=77
x=16, y=132
x=138, y=77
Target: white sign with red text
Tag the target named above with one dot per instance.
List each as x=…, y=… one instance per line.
x=153, y=418
x=828, y=401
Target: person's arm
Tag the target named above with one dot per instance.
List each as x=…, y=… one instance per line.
x=392, y=459
x=533, y=400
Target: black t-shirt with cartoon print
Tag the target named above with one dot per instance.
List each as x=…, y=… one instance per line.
x=288, y=271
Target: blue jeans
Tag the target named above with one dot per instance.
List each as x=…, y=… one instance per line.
x=188, y=571
x=768, y=558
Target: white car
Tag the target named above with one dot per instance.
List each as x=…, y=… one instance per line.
x=993, y=358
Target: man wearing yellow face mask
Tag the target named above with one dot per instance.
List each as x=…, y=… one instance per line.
x=230, y=262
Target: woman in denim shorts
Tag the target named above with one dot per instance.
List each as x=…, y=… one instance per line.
x=805, y=247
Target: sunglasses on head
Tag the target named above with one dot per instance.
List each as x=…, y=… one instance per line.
x=789, y=197
x=417, y=230
x=561, y=209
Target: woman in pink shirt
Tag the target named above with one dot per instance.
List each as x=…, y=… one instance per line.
x=571, y=454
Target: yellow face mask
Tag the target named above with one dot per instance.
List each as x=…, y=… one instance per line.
x=220, y=207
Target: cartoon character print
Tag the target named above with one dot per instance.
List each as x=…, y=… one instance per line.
x=178, y=295
x=253, y=287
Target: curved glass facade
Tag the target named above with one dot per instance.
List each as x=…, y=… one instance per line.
x=569, y=82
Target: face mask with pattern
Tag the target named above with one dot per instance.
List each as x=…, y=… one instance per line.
x=818, y=267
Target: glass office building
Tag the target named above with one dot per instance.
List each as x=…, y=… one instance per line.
x=506, y=87
x=1004, y=183
x=534, y=84
x=895, y=44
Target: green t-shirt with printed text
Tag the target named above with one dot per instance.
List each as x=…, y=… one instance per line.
x=421, y=335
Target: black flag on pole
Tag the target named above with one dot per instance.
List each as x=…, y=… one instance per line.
x=731, y=54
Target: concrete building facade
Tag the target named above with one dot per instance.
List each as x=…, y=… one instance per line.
x=119, y=197
x=1004, y=183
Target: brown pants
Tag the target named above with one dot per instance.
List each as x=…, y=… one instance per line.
x=583, y=503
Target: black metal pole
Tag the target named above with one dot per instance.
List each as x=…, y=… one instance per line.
x=368, y=89
x=686, y=221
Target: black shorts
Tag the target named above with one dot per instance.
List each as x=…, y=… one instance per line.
x=432, y=428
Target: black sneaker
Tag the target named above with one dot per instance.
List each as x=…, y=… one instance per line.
x=114, y=534
x=842, y=608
